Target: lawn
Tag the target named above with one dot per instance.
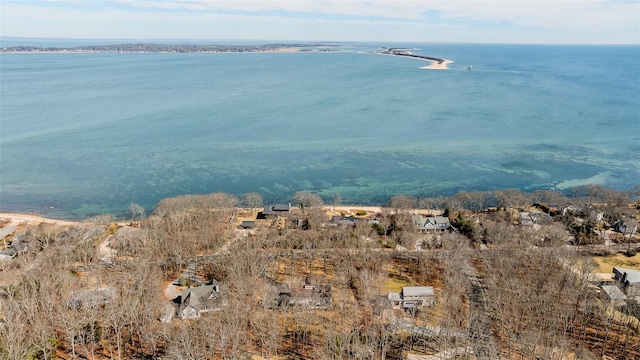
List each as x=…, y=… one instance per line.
x=606, y=263
x=395, y=283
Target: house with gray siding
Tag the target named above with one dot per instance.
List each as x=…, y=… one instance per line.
x=412, y=297
x=197, y=300
x=431, y=223
x=90, y=298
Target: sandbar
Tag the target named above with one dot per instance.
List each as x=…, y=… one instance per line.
x=438, y=65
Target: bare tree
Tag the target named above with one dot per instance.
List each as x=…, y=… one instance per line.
x=252, y=200
x=306, y=200
x=402, y=202
x=549, y=197
x=473, y=201
x=511, y=198
x=336, y=199
x=136, y=212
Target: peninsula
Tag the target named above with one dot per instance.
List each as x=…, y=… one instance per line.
x=438, y=63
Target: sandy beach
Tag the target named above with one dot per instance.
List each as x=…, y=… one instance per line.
x=15, y=218
x=437, y=65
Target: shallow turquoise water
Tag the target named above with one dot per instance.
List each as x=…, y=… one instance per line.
x=89, y=133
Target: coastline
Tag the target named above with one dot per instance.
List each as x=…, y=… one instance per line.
x=32, y=219
x=17, y=218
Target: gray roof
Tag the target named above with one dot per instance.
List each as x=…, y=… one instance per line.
x=275, y=209
x=90, y=297
x=417, y=291
x=394, y=296
x=432, y=221
x=614, y=292
x=199, y=297
x=633, y=276
x=280, y=207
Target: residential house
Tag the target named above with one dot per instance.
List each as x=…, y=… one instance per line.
x=309, y=296
x=275, y=211
x=431, y=223
x=197, y=300
x=613, y=294
x=381, y=307
x=628, y=279
x=626, y=227
x=533, y=217
x=90, y=298
x=417, y=296
x=343, y=220
x=571, y=210
x=412, y=297
x=127, y=237
x=248, y=224
x=396, y=299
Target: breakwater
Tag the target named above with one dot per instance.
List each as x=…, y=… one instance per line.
x=402, y=52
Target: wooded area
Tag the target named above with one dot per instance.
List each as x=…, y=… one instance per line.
x=503, y=288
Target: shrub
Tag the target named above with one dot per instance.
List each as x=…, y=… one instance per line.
x=378, y=228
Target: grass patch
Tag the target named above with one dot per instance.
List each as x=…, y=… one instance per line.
x=395, y=283
x=606, y=263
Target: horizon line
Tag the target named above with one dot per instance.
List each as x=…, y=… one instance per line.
x=265, y=41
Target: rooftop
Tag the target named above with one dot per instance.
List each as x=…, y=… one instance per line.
x=633, y=276
x=614, y=292
x=417, y=291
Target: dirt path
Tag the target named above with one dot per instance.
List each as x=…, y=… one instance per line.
x=443, y=355
x=479, y=319
x=171, y=290
x=6, y=230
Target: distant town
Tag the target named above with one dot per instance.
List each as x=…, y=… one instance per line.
x=173, y=48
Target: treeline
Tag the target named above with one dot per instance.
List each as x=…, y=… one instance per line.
x=585, y=195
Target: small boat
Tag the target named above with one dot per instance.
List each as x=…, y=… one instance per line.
x=469, y=67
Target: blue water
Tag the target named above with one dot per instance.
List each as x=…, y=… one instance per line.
x=85, y=134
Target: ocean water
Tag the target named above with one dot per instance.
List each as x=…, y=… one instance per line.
x=85, y=134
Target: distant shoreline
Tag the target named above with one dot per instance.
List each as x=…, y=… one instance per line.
x=171, y=48
x=144, y=48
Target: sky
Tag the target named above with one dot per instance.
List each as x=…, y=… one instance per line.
x=467, y=21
